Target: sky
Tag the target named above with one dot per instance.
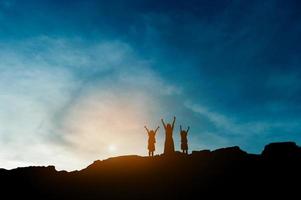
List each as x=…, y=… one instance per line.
x=80, y=79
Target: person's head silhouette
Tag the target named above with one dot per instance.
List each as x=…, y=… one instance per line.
x=151, y=133
x=183, y=134
x=168, y=126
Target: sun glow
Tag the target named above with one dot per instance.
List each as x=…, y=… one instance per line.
x=112, y=148
x=106, y=124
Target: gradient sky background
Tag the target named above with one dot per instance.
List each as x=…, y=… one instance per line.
x=80, y=79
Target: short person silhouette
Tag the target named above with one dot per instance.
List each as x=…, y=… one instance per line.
x=151, y=140
x=169, y=147
x=184, y=141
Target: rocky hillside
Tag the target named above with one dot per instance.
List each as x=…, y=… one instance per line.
x=227, y=173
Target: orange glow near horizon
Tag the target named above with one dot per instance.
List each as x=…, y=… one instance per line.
x=104, y=127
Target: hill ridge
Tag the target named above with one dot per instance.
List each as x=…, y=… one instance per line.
x=230, y=171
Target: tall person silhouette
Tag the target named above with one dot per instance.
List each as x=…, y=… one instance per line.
x=169, y=146
x=151, y=140
x=184, y=141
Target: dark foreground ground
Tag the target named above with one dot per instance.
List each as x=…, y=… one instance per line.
x=224, y=173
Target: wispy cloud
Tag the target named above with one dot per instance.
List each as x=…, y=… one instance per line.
x=67, y=99
x=233, y=127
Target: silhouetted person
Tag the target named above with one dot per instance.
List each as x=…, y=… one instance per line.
x=169, y=147
x=151, y=140
x=184, y=141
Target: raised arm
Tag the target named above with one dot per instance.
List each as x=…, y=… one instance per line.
x=173, y=123
x=146, y=129
x=188, y=129
x=157, y=129
x=163, y=123
x=180, y=128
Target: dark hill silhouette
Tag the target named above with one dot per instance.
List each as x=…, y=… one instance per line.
x=225, y=173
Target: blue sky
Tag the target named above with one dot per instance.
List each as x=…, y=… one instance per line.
x=80, y=79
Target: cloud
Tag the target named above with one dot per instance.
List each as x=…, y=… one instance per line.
x=66, y=99
x=219, y=120
x=112, y=110
x=31, y=92
x=234, y=127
